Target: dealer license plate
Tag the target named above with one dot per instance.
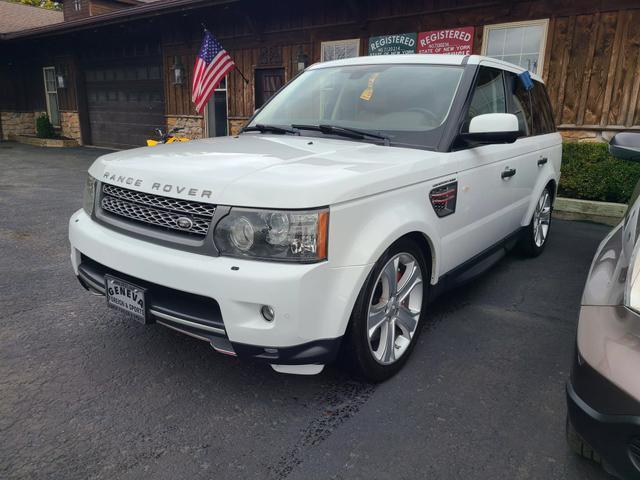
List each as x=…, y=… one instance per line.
x=127, y=298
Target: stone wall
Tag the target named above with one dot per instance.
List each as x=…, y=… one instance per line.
x=236, y=124
x=193, y=127
x=70, y=126
x=18, y=123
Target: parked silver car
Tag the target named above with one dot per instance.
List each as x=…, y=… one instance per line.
x=603, y=394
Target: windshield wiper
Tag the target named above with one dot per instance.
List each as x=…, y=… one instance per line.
x=262, y=127
x=343, y=131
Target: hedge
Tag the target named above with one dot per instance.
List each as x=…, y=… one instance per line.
x=589, y=172
x=44, y=129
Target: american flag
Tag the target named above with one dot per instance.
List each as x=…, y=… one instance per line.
x=212, y=64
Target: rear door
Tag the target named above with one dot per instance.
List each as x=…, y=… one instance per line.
x=520, y=103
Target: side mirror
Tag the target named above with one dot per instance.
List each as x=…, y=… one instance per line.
x=493, y=128
x=626, y=146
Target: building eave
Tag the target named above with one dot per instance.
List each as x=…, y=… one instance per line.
x=124, y=15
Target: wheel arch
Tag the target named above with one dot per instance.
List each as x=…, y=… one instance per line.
x=549, y=182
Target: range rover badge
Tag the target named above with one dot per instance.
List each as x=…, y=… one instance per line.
x=185, y=223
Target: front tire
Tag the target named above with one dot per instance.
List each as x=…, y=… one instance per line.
x=535, y=235
x=385, y=322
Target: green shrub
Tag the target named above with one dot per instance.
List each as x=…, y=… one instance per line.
x=589, y=172
x=44, y=128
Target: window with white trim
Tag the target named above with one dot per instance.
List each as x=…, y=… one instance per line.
x=51, y=93
x=339, y=49
x=77, y=5
x=521, y=43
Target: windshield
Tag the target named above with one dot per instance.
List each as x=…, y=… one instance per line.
x=407, y=103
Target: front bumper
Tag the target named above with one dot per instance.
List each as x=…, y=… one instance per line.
x=614, y=436
x=602, y=400
x=312, y=302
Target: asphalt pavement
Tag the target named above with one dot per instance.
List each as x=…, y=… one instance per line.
x=86, y=394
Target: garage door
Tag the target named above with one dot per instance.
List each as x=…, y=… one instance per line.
x=125, y=102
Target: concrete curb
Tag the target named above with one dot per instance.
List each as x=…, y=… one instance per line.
x=43, y=142
x=589, y=210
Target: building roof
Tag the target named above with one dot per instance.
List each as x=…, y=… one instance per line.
x=146, y=9
x=15, y=17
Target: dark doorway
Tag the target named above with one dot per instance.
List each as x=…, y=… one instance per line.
x=268, y=82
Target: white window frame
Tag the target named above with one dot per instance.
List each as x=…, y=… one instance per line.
x=349, y=41
x=544, y=22
x=206, y=107
x=77, y=5
x=48, y=92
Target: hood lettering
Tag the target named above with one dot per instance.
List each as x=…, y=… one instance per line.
x=167, y=187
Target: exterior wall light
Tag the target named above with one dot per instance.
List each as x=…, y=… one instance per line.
x=178, y=71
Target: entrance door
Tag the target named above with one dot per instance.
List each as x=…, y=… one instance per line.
x=216, y=112
x=268, y=82
x=51, y=92
x=125, y=100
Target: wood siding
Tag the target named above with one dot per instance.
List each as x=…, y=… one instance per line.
x=591, y=63
x=594, y=70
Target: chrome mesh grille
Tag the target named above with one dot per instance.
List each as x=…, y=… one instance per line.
x=156, y=210
x=167, y=203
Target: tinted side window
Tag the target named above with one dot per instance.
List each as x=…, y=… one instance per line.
x=520, y=103
x=488, y=93
x=543, y=121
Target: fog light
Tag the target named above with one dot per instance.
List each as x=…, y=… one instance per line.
x=268, y=313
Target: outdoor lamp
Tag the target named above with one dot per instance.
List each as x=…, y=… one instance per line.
x=303, y=59
x=178, y=71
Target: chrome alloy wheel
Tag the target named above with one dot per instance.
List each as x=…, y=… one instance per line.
x=394, y=308
x=541, y=219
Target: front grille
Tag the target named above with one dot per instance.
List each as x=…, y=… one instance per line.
x=159, y=211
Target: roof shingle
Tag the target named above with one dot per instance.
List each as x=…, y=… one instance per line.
x=17, y=16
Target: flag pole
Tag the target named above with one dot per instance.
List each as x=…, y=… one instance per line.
x=204, y=27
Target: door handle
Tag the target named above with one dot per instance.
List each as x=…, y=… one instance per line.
x=542, y=161
x=508, y=173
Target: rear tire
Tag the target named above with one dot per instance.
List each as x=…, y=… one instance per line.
x=387, y=316
x=536, y=234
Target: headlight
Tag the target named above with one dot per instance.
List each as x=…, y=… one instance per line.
x=288, y=236
x=89, y=195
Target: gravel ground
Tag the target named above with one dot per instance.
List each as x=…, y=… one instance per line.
x=85, y=394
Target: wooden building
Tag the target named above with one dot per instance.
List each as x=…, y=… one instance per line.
x=110, y=72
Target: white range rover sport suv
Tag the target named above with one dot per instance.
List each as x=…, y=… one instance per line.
x=354, y=196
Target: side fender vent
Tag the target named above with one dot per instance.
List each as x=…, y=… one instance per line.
x=443, y=199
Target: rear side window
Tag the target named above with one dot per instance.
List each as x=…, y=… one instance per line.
x=520, y=104
x=543, y=121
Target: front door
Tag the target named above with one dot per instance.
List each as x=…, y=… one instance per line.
x=216, y=113
x=51, y=92
x=487, y=199
x=268, y=82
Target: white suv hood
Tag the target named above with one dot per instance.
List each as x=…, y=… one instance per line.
x=262, y=170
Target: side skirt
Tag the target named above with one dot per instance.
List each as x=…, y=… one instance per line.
x=475, y=266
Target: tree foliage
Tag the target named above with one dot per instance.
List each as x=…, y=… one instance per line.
x=49, y=4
